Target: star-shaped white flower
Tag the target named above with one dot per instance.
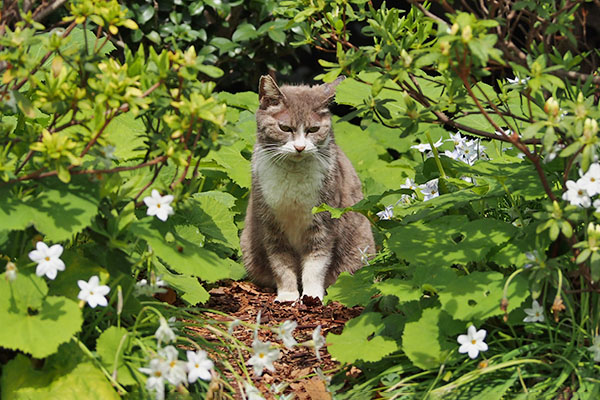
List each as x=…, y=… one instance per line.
x=595, y=348
x=472, y=343
x=175, y=369
x=92, y=292
x=576, y=195
x=590, y=181
x=164, y=333
x=156, y=379
x=409, y=184
x=285, y=333
x=535, y=313
x=11, y=271
x=318, y=340
x=159, y=205
x=429, y=190
x=263, y=357
x=423, y=147
x=387, y=213
x=48, y=259
x=198, y=366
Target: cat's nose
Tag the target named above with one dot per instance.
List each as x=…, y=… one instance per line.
x=299, y=148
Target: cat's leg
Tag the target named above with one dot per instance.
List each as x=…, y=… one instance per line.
x=285, y=274
x=314, y=270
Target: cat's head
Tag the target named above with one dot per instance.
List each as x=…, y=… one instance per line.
x=294, y=121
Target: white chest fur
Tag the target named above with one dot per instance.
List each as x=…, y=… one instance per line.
x=292, y=193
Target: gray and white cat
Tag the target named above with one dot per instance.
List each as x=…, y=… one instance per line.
x=297, y=165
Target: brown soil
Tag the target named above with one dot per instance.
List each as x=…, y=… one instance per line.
x=296, y=366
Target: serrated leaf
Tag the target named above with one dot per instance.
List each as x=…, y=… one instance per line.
x=230, y=158
x=184, y=256
x=352, y=290
x=126, y=132
x=245, y=100
x=190, y=290
x=38, y=324
x=355, y=342
x=59, y=211
x=404, y=290
x=66, y=376
x=421, y=340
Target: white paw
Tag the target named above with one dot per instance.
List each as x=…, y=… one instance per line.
x=314, y=291
x=283, y=297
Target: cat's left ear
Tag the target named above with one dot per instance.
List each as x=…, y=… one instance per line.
x=269, y=93
x=329, y=89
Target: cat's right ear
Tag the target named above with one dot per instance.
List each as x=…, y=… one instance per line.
x=269, y=93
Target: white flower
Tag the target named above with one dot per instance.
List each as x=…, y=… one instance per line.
x=409, y=184
x=233, y=324
x=596, y=205
x=517, y=80
x=11, y=271
x=454, y=154
x=159, y=205
x=386, y=214
x=472, y=342
x=175, y=369
x=364, y=256
x=285, y=333
x=252, y=393
x=576, y=195
x=48, y=259
x=164, y=333
x=92, y=292
x=590, y=181
x=457, y=139
x=423, y=147
x=535, y=313
x=318, y=341
x=429, y=190
x=142, y=287
x=263, y=357
x=156, y=379
x=595, y=348
x=198, y=366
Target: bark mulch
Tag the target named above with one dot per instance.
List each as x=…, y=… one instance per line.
x=296, y=366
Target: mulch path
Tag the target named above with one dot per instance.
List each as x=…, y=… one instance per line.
x=296, y=366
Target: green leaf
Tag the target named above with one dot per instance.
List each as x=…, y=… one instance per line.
x=145, y=14
x=66, y=376
x=352, y=290
x=213, y=217
x=245, y=100
x=38, y=324
x=244, y=32
x=127, y=133
x=421, y=340
x=182, y=255
x=113, y=340
x=189, y=288
x=477, y=296
x=24, y=105
x=404, y=290
x=231, y=159
x=59, y=211
x=360, y=340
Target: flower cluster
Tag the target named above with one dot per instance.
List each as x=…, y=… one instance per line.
x=167, y=368
x=465, y=150
x=580, y=192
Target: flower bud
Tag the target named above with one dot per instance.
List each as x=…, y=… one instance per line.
x=551, y=107
x=590, y=128
x=454, y=29
x=467, y=34
x=445, y=47
x=11, y=271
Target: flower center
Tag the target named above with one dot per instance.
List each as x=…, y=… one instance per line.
x=473, y=341
x=592, y=179
x=47, y=258
x=158, y=205
x=197, y=365
x=91, y=292
x=261, y=355
x=172, y=363
x=157, y=373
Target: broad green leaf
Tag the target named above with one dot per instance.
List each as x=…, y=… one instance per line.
x=189, y=288
x=67, y=375
x=214, y=218
x=354, y=141
x=38, y=324
x=59, y=211
x=231, y=159
x=449, y=240
x=421, y=340
x=477, y=296
x=126, y=132
x=360, y=340
x=245, y=100
x=113, y=341
x=404, y=290
x=184, y=256
x=244, y=32
x=352, y=290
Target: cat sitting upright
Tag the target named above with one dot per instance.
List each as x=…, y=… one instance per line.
x=297, y=165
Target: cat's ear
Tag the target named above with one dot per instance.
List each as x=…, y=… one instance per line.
x=269, y=93
x=329, y=90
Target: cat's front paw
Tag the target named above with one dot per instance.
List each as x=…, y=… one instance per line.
x=283, y=297
x=315, y=291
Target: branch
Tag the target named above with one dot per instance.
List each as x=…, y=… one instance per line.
x=42, y=12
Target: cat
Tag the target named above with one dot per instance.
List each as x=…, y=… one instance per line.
x=297, y=165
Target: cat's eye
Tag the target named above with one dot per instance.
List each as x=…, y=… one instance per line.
x=285, y=128
x=313, y=129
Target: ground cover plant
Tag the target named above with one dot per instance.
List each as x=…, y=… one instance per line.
x=124, y=173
